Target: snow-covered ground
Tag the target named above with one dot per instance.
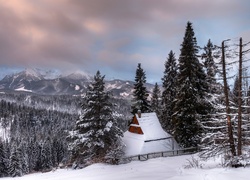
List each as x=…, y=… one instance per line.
x=23, y=89
x=170, y=168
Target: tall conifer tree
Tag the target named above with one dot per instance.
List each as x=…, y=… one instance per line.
x=3, y=160
x=140, y=101
x=190, y=104
x=97, y=133
x=15, y=166
x=156, y=101
x=169, y=92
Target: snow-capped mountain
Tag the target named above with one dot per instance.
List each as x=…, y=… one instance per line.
x=80, y=79
x=79, y=75
x=33, y=80
x=21, y=80
x=41, y=82
x=48, y=74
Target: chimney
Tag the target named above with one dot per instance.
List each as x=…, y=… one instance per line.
x=139, y=113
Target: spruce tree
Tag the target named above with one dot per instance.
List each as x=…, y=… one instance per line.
x=46, y=156
x=15, y=166
x=57, y=151
x=156, y=101
x=33, y=154
x=24, y=157
x=169, y=92
x=3, y=160
x=190, y=104
x=97, y=133
x=210, y=67
x=140, y=100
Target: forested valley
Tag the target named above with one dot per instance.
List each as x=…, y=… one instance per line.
x=34, y=130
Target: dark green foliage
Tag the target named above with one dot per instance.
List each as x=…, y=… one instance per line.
x=3, y=160
x=31, y=127
x=169, y=92
x=190, y=104
x=140, y=101
x=46, y=155
x=58, y=151
x=15, y=166
x=32, y=121
x=156, y=100
x=96, y=132
x=33, y=152
x=210, y=67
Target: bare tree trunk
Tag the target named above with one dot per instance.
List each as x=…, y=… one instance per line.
x=240, y=102
x=229, y=123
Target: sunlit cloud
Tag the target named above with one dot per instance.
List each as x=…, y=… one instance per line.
x=95, y=26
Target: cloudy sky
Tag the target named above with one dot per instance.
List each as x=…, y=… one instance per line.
x=112, y=36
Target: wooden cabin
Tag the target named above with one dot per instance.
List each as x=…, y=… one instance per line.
x=145, y=135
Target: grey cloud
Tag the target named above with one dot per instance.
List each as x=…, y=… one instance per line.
x=111, y=34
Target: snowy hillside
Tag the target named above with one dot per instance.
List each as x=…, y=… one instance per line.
x=170, y=168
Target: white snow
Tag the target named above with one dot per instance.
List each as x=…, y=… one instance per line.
x=48, y=73
x=170, y=168
x=22, y=89
x=79, y=75
x=113, y=86
x=4, y=132
x=77, y=87
x=108, y=126
x=124, y=94
x=14, y=77
x=32, y=72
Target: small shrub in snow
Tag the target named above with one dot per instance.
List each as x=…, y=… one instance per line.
x=194, y=162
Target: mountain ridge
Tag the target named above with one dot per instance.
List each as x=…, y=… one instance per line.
x=76, y=83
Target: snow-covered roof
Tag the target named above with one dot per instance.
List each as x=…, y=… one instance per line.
x=151, y=126
x=153, y=139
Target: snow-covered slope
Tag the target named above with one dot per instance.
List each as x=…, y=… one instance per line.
x=170, y=168
x=48, y=74
x=79, y=75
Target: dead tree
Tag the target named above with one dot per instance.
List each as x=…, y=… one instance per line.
x=229, y=123
x=239, y=147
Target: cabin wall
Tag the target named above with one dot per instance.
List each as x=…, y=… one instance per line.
x=134, y=129
x=135, y=121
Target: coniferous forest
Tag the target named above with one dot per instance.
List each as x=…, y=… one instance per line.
x=36, y=128
x=194, y=101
